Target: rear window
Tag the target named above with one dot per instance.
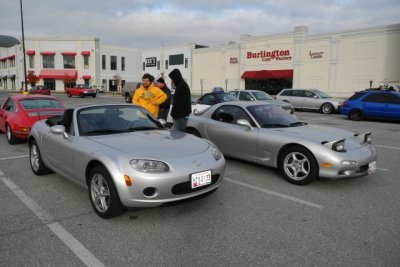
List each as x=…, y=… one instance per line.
x=28, y=104
x=356, y=96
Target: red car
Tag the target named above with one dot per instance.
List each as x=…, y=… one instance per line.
x=39, y=90
x=80, y=90
x=20, y=112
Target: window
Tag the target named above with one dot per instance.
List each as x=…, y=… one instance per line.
x=309, y=94
x=123, y=63
x=176, y=59
x=12, y=62
x=166, y=64
x=31, y=61
x=113, y=63
x=230, y=114
x=144, y=66
x=50, y=83
x=246, y=96
x=87, y=83
x=103, y=62
x=86, y=62
x=69, y=62
x=186, y=63
x=48, y=62
x=104, y=83
x=10, y=106
x=158, y=64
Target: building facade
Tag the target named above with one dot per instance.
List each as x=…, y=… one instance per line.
x=62, y=61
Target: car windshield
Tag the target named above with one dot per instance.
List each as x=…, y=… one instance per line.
x=262, y=96
x=28, y=104
x=101, y=120
x=224, y=97
x=273, y=116
x=322, y=94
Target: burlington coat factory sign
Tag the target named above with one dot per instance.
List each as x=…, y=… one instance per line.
x=270, y=55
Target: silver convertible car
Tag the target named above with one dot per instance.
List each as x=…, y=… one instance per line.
x=125, y=157
x=266, y=134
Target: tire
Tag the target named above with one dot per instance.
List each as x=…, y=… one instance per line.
x=103, y=194
x=128, y=99
x=81, y=96
x=93, y=96
x=327, y=108
x=356, y=115
x=193, y=132
x=298, y=165
x=12, y=140
x=35, y=159
x=69, y=95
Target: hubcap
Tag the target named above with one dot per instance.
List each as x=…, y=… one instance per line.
x=327, y=109
x=100, y=193
x=296, y=166
x=35, y=158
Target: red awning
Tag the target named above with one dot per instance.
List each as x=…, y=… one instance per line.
x=86, y=77
x=5, y=58
x=266, y=74
x=44, y=53
x=30, y=52
x=68, y=53
x=58, y=74
x=85, y=53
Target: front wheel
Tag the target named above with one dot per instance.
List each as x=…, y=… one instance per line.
x=35, y=159
x=327, y=108
x=69, y=95
x=356, y=115
x=103, y=194
x=298, y=165
x=128, y=99
x=81, y=95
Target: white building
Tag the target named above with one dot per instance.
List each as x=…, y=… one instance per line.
x=57, y=60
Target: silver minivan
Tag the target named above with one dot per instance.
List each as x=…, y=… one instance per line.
x=310, y=99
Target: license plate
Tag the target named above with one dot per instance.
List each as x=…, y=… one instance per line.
x=371, y=167
x=201, y=179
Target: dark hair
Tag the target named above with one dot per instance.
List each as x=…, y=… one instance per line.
x=160, y=80
x=148, y=76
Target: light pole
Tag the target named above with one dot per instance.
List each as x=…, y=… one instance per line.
x=23, y=46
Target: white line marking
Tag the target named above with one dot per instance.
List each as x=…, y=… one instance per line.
x=385, y=170
x=80, y=251
x=298, y=200
x=391, y=147
x=17, y=157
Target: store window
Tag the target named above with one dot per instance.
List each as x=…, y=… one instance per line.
x=12, y=62
x=123, y=63
x=103, y=62
x=113, y=63
x=50, y=83
x=69, y=62
x=166, y=64
x=31, y=61
x=104, y=83
x=48, y=62
x=86, y=62
x=176, y=59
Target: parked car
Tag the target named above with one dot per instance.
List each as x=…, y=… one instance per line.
x=20, y=112
x=39, y=90
x=125, y=157
x=372, y=104
x=210, y=99
x=257, y=95
x=98, y=89
x=264, y=133
x=129, y=89
x=80, y=90
x=311, y=99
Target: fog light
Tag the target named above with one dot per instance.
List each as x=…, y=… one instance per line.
x=349, y=163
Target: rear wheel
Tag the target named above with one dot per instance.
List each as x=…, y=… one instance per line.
x=35, y=159
x=327, y=108
x=93, y=96
x=12, y=140
x=128, y=99
x=103, y=194
x=298, y=165
x=69, y=94
x=356, y=115
x=81, y=95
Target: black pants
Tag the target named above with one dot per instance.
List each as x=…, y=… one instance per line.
x=163, y=113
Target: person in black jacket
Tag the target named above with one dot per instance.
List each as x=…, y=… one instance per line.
x=181, y=106
x=164, y=107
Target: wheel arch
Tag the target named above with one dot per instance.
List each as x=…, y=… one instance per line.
x=91, y=165
x=278, y=158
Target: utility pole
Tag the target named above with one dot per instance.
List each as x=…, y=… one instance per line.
x=23, y=46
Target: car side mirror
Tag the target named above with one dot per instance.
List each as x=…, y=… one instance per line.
x=244, y=122
x=315, y=97
x=58, y=129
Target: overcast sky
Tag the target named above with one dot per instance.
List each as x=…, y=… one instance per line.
x=153, y=24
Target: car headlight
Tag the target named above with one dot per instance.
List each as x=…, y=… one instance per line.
x=338, y=146
x=145, y=165
x=216, y=153
x=349, y=163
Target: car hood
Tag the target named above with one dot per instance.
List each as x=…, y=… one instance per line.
x=155, y=144
x=321, y=134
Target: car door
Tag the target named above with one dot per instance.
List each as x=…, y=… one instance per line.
x=311, y=100
x=296, y=98
x=223, y=131
x=373, y=105
x=8, y=109
x=393, y=106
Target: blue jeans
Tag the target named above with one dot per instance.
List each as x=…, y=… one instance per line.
x=180, y=124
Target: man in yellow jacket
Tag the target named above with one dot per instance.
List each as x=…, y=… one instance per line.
x=148, y=95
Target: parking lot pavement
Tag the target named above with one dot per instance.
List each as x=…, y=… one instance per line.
x=255, y=218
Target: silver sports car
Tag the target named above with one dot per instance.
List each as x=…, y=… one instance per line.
x=125, y=157
x=266, y=134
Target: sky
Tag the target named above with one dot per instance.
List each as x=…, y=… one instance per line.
x=153, y=24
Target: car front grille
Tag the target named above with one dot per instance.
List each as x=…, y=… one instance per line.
x=185, y=187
